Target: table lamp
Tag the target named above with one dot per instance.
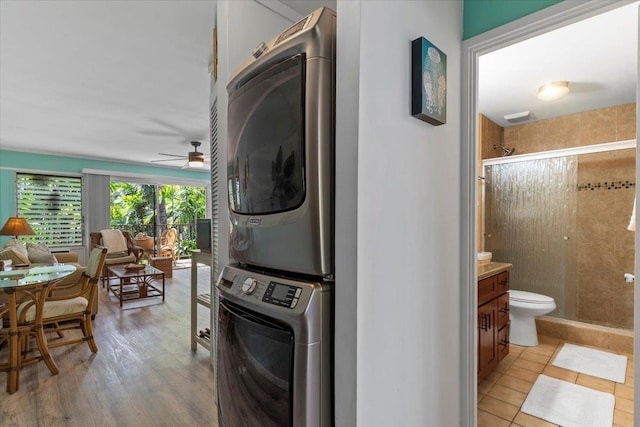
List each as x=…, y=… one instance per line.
x=16, y=226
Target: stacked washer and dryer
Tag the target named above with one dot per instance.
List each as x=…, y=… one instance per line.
x=275, y=312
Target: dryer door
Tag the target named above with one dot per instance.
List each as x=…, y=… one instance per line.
x=255, y=364
x=266, y=141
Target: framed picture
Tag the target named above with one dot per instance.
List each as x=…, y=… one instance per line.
x=428, y=82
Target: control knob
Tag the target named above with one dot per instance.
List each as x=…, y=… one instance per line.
x=249, y=286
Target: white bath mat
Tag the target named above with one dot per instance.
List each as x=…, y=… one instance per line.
x=569, y=405
x=592, y=362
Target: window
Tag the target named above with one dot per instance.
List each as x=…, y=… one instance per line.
x=53, y=207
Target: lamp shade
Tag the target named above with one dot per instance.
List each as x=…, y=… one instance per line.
x=16, y=226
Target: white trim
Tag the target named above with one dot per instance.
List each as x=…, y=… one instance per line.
x=636, y=301
x=573, y=151
x=548, y=19
x=40, y=171
x=151, y=178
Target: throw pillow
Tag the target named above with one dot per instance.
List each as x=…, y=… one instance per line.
x=19, y=249
x=112, y=255
x=40, y=253
x=10, y=253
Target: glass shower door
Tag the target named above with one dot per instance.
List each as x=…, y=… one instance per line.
x=530, y=218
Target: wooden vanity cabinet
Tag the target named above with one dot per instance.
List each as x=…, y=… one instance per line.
x=493, y=322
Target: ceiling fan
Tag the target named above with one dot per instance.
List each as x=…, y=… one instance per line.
x=195, y=159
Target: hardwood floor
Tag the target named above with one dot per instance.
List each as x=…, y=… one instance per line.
x=143, y=374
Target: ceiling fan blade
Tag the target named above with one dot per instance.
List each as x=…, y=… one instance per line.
x=167, y=160
x=160, y=133
x=180, y=156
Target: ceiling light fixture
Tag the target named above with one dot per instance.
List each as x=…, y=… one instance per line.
x=551, y=91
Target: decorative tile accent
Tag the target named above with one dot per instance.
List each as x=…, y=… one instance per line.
x=607, y=185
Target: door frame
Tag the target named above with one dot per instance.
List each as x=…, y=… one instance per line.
x=548, y=19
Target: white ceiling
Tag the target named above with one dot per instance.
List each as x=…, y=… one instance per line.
x=597, y=56
x=110, y=80
x=125, y=81
x=103, y=79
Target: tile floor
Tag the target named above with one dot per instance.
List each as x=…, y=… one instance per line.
x=502, y=393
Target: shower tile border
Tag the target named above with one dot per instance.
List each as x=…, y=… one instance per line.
x=606, y=185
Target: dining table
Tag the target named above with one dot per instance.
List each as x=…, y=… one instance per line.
x=32, y=284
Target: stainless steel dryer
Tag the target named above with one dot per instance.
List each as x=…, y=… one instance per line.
x=281, y=137
x=274, y=350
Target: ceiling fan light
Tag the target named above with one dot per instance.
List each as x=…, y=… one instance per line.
x=196, y=159
x=551, y=91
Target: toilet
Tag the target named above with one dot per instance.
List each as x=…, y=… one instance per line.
x=524, y=307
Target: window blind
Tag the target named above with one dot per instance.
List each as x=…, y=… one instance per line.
x=53, y=207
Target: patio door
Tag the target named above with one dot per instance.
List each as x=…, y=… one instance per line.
x=146, y=210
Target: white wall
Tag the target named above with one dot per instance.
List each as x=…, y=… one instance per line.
x=253, y=22
x=408, y=203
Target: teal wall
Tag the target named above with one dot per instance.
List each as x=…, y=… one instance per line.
x=484, y=15
x=51, y=163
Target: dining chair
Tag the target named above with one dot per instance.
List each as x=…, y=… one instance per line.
x=60, y=312
x=18, y=336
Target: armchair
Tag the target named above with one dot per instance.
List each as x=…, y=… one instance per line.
x=121, y=249
x=167, y=243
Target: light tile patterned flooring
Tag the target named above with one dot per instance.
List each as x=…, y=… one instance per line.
x=502, y=393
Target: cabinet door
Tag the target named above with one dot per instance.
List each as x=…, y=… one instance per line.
x=487, y=337
x=503, y=282
x=487, y=289
x=503, y=310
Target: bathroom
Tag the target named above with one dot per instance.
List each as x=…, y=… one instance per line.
x=562, y=221
x=555, y=198
x=557, y=177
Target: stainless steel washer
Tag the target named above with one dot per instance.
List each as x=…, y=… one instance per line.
x=274, y=350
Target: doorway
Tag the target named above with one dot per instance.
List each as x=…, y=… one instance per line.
x=542, y=22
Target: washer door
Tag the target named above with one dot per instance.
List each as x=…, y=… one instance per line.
x=254, y=365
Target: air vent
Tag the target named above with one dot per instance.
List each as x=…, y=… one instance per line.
x=523, y=116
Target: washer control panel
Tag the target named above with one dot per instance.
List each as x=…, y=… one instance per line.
x=282, y=295
x=258, y=289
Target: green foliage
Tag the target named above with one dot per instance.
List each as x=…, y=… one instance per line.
x=133, y=209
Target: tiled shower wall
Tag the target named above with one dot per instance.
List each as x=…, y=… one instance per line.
x=600, y=249
x=574, y=130
x=605, y=248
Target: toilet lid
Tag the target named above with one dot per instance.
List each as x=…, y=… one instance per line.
x=530, y=297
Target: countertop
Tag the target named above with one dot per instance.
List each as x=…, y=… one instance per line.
x=492, y=268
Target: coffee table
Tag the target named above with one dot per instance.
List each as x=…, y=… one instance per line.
x=137, y=284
